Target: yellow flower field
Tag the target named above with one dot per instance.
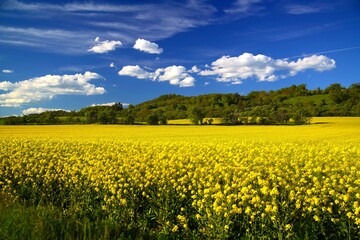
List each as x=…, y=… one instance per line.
x=212, y=182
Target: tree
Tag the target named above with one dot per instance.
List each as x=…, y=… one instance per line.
x=301, y=90
x=300, y=114
x=230, y=118
x=91, y=116
x=143, y=114
x=354, y=93
x=102, y=118
x=129, y=119
x=196, y=115
x=162, y=119
x=118, y=106
x=281, y=116
x=356, y=110
x=107, y=116
x=336, y=93
x=48, y=118
x=152, y=119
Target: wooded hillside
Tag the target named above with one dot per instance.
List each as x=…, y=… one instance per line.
x=294, y=104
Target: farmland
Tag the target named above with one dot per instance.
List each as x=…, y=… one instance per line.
x=215, y=182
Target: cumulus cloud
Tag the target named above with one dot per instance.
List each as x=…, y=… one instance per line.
x=136, y=71
x=318, y=63
x=7, y=71
x=263, y=68
x=244, y=66
x=46, y=87
x=195, y=69
x=5, y=86
x=40, y=110
x=175, y=75
x=147, y=46
x=104, y=46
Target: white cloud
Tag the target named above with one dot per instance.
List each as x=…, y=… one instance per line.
x=237, y=82
x=246, y=7
x=136, y=71
x=104, y=46
x=319, y=63
x=175, y=75
x=7, y=71
x=41, y=110
x=108, y=104
x=68, y=7
x=195, y=69
x=300, y=9
x=147, y=46
x=46, y=87
x=5, y=86
x=125, y=22
x=103, y=104
x=52, y=40
x=263, y=68
x=245, y=66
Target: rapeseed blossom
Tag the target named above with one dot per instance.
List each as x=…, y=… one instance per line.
x=216, y=185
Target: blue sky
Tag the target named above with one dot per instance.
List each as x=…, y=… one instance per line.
x=72, y=54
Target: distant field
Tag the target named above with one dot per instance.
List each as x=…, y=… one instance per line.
x=187, y=121
x=181, y=181
x=341, y=129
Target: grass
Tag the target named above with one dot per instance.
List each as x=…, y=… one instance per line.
x=20, y=221
x=316, y=99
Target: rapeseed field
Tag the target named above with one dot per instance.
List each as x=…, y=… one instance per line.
x=204, y=182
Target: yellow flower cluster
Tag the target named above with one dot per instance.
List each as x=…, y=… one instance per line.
x=217, y=185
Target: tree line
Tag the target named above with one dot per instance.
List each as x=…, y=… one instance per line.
x=295, y=104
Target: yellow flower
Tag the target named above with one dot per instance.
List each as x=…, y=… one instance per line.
x=248, y=210
x=317, y=218
x=218, y=171
x=181, y=218
x=175, y=228
x=123, y=201
x=287, y=227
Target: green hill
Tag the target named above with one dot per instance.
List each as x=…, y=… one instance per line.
x=294, y=103
x=314, y=99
